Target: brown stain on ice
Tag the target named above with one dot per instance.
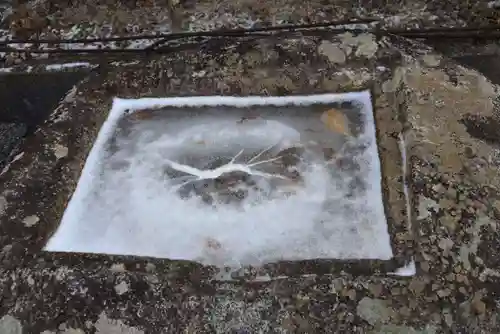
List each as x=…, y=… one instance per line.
x=336, y=121
x=142, y=114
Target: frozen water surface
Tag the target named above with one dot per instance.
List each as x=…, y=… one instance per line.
x=232, y=181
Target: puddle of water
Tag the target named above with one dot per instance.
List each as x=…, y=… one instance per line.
x=232, y=181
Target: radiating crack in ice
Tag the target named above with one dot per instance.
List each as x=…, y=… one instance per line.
x=198, y=174
x=261, y=152
x=236, y=156
x=263, y=162
x=227, y=168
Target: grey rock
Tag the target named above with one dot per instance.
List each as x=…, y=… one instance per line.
x=374, y=311
x=431, y=60
x=367, y=46
x=334, y=53
x=10, y=325
x=394, y=329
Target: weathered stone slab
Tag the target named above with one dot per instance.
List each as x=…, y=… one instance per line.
x=209, y=15
x=450, y=232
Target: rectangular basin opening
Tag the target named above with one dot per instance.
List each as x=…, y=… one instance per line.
x=232, y=181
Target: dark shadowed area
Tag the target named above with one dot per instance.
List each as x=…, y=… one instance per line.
x=27, y=101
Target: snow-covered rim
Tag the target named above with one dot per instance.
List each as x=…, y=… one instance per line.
x=409, y=269
x=122, y=107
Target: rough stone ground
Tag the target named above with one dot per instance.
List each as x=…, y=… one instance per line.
x=447, y=114
x=51, y=19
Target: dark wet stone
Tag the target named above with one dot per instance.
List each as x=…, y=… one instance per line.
x=11, y=135
x=30, y=98
x=483, y=128
x=290, y=156
x=489, y=65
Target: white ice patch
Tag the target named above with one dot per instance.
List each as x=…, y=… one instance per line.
x=125, y=204
x=59, y=67
x=409, y=269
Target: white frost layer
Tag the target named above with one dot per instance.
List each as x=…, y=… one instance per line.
x=58, y=67
x=406, y=191
x=408, y=270
x=134, y=212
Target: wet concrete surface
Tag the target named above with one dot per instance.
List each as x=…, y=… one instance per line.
x=27, y=100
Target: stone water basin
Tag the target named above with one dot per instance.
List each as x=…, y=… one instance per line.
x=230, y=181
